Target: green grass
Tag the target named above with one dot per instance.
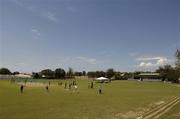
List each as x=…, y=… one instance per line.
x=119, y=97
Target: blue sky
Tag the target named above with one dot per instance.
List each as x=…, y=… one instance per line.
x=126, y=35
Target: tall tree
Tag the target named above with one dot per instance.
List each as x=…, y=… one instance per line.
x=167, y=72
x=177, y=55
x=110, y=73
x=47, y=73
x=36, y=75
x=78, y=73
x=117, y=76
x=60, y=73
x=84, y=73
x=100, y=74
x=91, y=74
x=15, y=73
x=5, y=71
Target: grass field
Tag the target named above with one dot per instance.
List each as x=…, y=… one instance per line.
x=120, y=100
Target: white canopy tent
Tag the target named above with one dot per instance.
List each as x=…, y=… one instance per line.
x=102, y=79
x=23, y=75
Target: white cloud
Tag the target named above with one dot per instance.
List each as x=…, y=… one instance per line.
x=149, y=58
x=35, y=33
x=153, y=61
x=142, y=64
x=145, y=64
x=87, y=60
x=162, y=61
x=51, y=16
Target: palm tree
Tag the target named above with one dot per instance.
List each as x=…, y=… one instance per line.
x=177, y=69
x=177, y=54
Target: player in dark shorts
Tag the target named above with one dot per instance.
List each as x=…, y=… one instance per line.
x=47, y=88
x=22, y=88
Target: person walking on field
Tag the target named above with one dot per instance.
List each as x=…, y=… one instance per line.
x=70, y=86
x=47, y=88
x=65, y=85
x=22, y=88
x=92, y=85
x=100, y=90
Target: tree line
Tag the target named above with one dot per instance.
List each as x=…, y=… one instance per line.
x=60, y=73
x=167, y=72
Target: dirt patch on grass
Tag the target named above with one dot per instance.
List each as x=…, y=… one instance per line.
x=129, y=115
x=138, y=114
x=159, y=103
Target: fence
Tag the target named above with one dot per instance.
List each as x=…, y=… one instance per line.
x=6, y=77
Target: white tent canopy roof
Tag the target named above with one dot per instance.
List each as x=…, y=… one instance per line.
x=102, y=78
x=23, y=75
